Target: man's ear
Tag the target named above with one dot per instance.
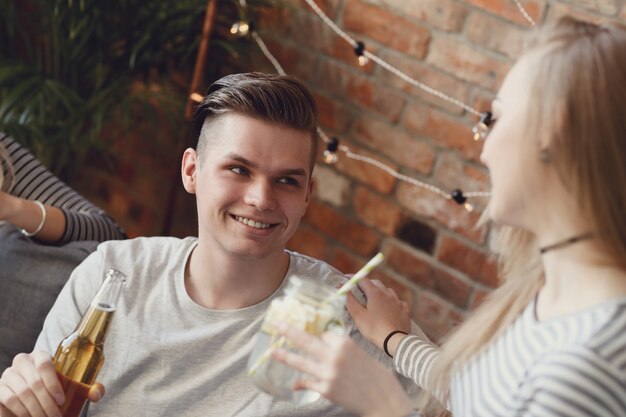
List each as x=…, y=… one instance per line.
x=309, y=191
x=188, y=170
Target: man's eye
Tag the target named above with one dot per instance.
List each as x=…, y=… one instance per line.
x=239, y=170
x=288, y=181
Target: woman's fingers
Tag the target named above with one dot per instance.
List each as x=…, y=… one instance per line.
x=299, y=362
x=306, y=342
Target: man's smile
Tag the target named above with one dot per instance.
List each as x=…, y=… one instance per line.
x=256, y=224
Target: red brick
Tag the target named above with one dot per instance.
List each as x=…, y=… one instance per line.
x=426, y=204
x=374, y=22
x=423, y=271
x=470, y=261
x=364, y=172
x=467, y=62
x=294, y=61
x=332, y=115
x=479, y=297
x=342, y=228
x=482, y=100
x=480, y=29
x=360, y=90
x=308, y=242
x=431, y=77
x=447, y=15
x=296, y=25
x=377, y=211
x=349, y=264
x=435, y=317
x=329, y=7
x=447, y=131
x=375, y=96
x=508, y=9
x=395, y=144
x=331, y=187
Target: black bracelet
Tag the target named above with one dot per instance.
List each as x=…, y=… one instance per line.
x=387, y=341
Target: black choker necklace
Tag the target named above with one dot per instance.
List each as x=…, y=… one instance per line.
x=566, y=242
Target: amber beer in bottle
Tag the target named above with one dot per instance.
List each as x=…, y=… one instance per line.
x=79, y=356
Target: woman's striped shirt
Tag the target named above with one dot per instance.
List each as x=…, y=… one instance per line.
x=571, y=366
x=32, y=181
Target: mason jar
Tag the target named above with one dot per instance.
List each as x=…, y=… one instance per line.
x=308, y=305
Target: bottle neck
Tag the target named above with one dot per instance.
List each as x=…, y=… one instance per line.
x=95, y=324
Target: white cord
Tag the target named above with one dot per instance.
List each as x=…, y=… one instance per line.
x=524, y=12
x=388, y=66
x=366, y=159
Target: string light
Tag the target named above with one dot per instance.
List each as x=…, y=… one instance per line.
x=196, y=97
x=240, y=29
x=359, y=51
x=388, y=66
x=330, y=154
x=481, y=129
x=332, y=146
x=524, y=12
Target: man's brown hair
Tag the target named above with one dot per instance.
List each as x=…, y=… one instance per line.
x=279, y=99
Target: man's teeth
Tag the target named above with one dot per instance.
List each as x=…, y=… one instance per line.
x=252, y=223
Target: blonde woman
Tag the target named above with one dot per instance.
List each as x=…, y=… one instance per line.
x=42, y=206
x=551, y=341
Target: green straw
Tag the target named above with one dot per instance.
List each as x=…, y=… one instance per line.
x=363, y=272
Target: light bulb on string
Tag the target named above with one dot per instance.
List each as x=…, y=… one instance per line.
x=481, y=129
x=458, y=196
x=330, y=153
x=240, y=28
x=359, y=51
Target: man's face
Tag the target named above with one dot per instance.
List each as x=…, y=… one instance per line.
x=252, y=186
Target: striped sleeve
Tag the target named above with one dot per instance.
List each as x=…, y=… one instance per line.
x=574, y=383
x=414, y=358
x=84, y=221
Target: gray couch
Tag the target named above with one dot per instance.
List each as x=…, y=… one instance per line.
x=31, y=276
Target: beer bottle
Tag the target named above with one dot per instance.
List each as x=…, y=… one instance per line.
x=79, y=356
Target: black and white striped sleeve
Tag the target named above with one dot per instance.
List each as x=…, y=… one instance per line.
x=33, y=181
x=576, y=382
x=414, y=358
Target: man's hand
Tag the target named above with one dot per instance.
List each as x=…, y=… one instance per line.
x=30, y=387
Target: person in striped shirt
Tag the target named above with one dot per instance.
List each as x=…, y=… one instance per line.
x=551, y=340
x=42, y=206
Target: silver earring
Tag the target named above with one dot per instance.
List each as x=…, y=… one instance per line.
x=544, y=155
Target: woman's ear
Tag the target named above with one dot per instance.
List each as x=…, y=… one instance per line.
x=188, y=170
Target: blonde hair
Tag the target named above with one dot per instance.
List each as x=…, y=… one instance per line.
x=7, y=173
x=580, y=78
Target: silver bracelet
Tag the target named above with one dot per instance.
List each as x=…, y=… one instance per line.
x=43, y=220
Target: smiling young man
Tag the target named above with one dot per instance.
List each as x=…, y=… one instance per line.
x=181, y=336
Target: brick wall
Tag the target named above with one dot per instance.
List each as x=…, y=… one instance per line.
x=437, y=258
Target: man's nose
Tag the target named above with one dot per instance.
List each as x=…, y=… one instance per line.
x=260, y=194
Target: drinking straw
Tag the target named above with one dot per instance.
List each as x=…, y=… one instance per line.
x=363, y=272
